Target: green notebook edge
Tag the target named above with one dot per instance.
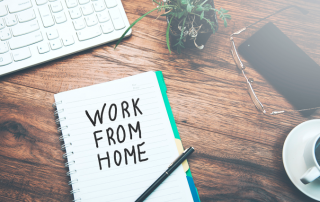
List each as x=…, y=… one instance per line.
x=163, y=89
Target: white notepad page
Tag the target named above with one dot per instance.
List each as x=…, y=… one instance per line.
x=143, y=159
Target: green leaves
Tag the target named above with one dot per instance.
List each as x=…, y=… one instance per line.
x=202, y=15
x=182, y=30
x=184, y=2
x=180, y=12
x=189, y=8
x=137, y=20
x=180, y=43
x=201, y=8
x=186, y=5
x=223, y=10
x=167, y=35
x=161, y=3
x=207, y=7
x=179, y=46
x=222, y=14
x=213, y=27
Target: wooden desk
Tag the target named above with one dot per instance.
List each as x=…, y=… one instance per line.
x=238, y=150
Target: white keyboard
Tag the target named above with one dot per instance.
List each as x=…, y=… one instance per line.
x=36, y=31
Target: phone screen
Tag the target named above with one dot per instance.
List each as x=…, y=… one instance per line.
x=285, y=66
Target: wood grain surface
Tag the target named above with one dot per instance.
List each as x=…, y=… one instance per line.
x=238, y=150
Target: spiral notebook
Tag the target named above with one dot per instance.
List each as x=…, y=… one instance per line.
x=119, y=137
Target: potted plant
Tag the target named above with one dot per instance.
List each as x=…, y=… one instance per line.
x=189, y=22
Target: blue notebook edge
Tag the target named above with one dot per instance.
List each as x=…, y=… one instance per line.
x=163, y=89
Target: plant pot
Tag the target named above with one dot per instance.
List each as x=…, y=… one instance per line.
x=203, y=34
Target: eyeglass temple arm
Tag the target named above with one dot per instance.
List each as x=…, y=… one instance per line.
x=302, y=10
x=299, y=110
x=238, y=32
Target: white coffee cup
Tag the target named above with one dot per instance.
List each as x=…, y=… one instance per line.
x=309, y=155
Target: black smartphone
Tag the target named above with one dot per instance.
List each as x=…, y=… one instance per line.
x=285, y=66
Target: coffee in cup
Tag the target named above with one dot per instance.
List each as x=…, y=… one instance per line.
x=311, y=156
x=317, y=151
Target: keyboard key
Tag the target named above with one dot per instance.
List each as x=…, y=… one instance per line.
x=99, y=5
x=71, y=3
x=116, y=18
x=75, y=13
x=52, y=34
x=79, y=24
x=46, y=16
x=2, y=25
x=43, y=48
x=5, y=34
x=107, y=27
x=103, y=16
x=3, y=47
x=111, y=3
x=60, y=17
x=5, y=59
x=3, y=10
x=91, y=20
x=25, y=28
x=67, y=40
x=55, y=44
x=56, y=7
x=19, y=5
x=89, y=33
x=11, y=20
x=40, y=2
x=27, y=15
x=21, y=54
x=25, y=40
x=81, y=2
x=87, y=9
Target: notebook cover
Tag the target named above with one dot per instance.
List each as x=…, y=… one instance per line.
x=185, y=165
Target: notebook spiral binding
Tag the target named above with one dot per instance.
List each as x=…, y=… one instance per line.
x=72, y=182
x=59, y=120
x=74, y=191
x=67, y=154
x=61, y=138
x=54, y=105
x=61, y=128
x=69, y=163
x=71, y=172
x=64, y=146
x=58, y=111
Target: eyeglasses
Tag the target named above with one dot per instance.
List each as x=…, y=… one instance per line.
x=241, y=67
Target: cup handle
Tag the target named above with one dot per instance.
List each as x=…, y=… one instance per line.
x=311, y=174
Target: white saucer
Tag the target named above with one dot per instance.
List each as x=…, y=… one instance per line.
x=292, y=156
